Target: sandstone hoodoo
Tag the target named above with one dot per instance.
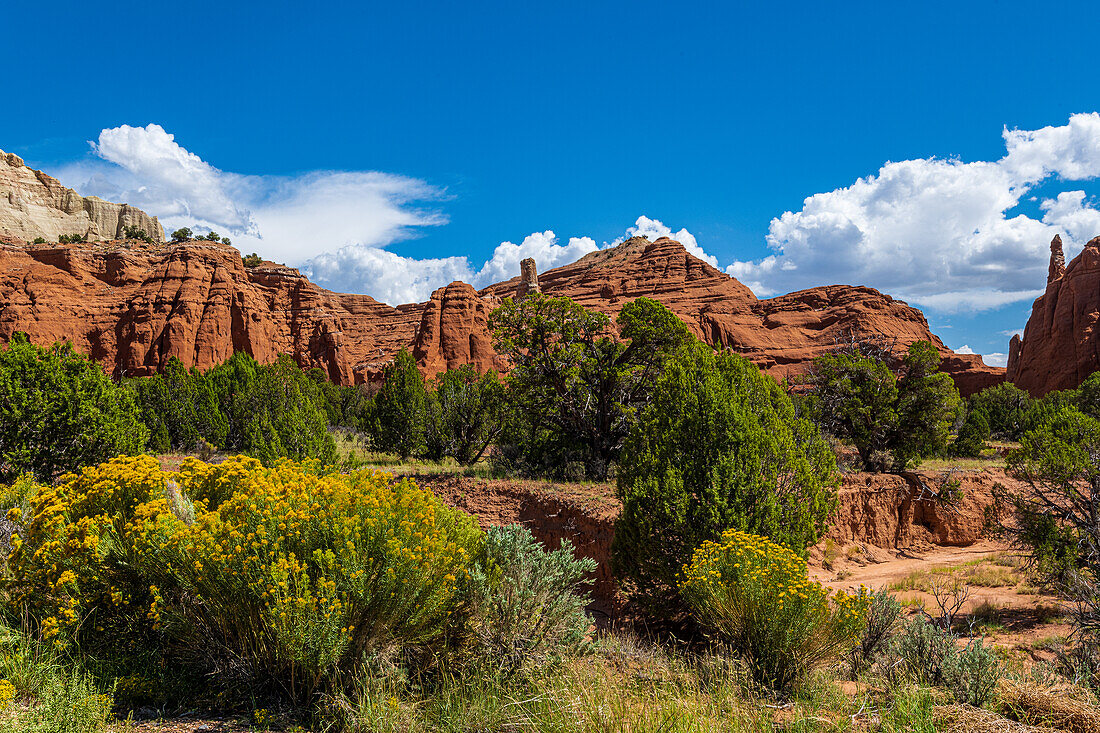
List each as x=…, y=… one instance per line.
x=1061, y=343
x=528, y=278
x=134, y=305
x=34, y=205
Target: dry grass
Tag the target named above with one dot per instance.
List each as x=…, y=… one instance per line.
x=1062, y=707
x=967, y=719
x=985, y=573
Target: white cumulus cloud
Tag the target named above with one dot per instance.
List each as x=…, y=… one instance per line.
x=653, y=229
x=285, y=218
x=335, y=225
x=384, y=275
x=543, y=247
x=994, y=359
x=940, y=232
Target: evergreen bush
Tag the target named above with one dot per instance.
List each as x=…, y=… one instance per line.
x=718, y=446
x=59, y=411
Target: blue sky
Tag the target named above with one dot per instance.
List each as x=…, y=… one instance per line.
x=376, y=145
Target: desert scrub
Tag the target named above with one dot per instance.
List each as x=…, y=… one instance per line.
x=528, y=603
x=925, y=654
x=882, y=616
x=299, y=572
x=288, y=570
x=756, y=594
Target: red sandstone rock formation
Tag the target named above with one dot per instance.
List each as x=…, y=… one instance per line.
x=133, y=306
x=1061, y=343
x=781, y=334
x=454, y=330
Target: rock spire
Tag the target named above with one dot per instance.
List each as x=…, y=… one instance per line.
x=1057, y=260
x=528, y=279
x=1060, y=347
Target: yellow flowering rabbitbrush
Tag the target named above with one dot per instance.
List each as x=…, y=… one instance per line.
x=757, y=596
x=70, y=568
x=293, y=569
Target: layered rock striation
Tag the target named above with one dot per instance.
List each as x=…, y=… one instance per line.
x=1061, y=343
x=33, y=205
x=133, y=306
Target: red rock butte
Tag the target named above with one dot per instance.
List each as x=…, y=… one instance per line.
x=1061, y=343
x=133, y=305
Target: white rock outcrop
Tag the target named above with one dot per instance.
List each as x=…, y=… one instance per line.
x=33, y=204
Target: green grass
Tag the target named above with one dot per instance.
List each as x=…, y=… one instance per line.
x=626, y=685
x=966, y=464
x=50, y=694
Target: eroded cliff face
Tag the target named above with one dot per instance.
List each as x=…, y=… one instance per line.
x=884, y=513
x=454, y=330
x=133, y=306
x=1061, y=343
x=33, y=204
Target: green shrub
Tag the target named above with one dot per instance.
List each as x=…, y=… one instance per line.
x=401, y=408
x=926, y=654
x=59, y=411
x=1009, y=411
x=921, y=652
x=972, y=435
x=38, y=240
x=1079, y=661
x=1057, y=519
x=717, y=447
x=182, y=235
x=528, y=603
x=1088, y=396
x=757, y=596
x=892, y=421
x=135, y=232
x=267, y=411
x=575, y=387
x=180, y=408
x=273, y=410
x=973, y=673
x=465, y=413
x=348, y=406
x=252, y=260
x=64, y=704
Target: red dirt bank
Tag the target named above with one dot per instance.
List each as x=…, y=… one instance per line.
x=885, y=514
